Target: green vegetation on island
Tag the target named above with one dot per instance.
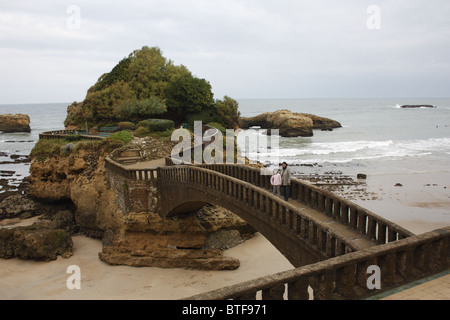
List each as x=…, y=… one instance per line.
x=148, y=93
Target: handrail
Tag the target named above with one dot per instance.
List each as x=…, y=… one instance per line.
x=62, y=134
x=130, y=173
x=345, y=277
x=334, y=206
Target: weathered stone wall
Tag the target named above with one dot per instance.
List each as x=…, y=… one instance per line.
x=133, y=195
x=79, y=178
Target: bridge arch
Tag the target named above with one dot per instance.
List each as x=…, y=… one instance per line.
x=302, y=240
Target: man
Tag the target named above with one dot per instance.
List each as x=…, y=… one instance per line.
x=286, y=180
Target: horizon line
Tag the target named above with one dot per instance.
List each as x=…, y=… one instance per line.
x=302, y=98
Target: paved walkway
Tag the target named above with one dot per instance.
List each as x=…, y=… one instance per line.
x=432, y=288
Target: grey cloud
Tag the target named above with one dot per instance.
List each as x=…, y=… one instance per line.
x=285, y=48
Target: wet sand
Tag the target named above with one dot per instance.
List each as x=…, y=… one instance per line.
x=47, y=280
x=419, y=202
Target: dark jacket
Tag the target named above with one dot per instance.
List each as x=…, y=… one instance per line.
x=286, y=176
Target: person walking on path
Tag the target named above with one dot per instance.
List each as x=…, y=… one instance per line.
x=286, y=180
x=275, y=180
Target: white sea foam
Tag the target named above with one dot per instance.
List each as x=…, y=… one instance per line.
x=348, y=151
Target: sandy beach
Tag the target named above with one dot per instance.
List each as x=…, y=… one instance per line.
x=47, y=280
x=421, y=204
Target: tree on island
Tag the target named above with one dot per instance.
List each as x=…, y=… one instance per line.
x=147, y=85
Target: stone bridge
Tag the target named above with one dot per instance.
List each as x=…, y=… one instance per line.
x=315, y=225
x=330, y=240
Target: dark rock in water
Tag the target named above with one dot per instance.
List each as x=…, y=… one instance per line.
x=6, y=173
x=399, y=185
x=15, y=123
x=361, y=176
x=417, y=106
x=21, y=141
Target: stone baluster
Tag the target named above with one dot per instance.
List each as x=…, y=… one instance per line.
x=330, y=246
x=382, y=233
x=298, y=289
x=371, y=228
x=274, y=293
x=344, y=213
x=362, y=222
x=345, y=281
x=353, y=218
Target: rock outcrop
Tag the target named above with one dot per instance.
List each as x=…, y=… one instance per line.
x=137, y=237
x=36, y=242
x=289, y=124
x=78, y=177
x=17, y=206
x=418, y=106
x=10, y=123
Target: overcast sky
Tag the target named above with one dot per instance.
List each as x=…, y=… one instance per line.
x=54, y=50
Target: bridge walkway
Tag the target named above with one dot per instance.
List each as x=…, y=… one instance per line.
x=344, y=232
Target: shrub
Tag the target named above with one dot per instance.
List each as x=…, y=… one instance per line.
x=157, y=125
x=126, y=126
x=72, y=137
x=141, y=132
x=227, y=112
x=47, y=149
x=123, y=136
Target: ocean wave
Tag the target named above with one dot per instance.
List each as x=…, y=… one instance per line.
x=343, y=152
x=328, y=148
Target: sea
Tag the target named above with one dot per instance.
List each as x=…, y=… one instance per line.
x=17, y=146
x=377, y=137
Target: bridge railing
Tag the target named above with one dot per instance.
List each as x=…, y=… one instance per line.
x=62, y=134
x=307, y=228
x=346, y=212
x=129, y=173
x=346, y=277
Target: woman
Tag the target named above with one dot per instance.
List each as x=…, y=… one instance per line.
x=275, y=180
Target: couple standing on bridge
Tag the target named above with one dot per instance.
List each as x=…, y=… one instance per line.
x=281, y=178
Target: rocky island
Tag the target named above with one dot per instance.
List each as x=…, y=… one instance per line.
x=10, y=123
x=289, y=123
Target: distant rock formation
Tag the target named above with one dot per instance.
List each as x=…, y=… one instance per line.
x=417, y=106
x=10, y=123
x=289, y=123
